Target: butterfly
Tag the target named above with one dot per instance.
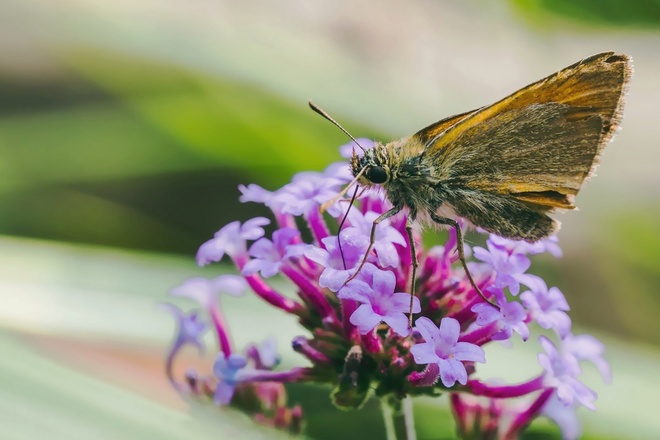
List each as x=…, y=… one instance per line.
x=502, y=167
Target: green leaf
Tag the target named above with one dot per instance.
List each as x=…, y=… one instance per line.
x=640, y=13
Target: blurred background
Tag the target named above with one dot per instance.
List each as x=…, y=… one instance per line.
x=125, y=128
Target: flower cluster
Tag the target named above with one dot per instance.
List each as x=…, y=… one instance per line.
x=358, y=336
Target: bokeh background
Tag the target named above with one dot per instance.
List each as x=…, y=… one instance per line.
x=125, y=128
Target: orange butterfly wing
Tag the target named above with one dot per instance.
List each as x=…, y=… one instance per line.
x=538, y=144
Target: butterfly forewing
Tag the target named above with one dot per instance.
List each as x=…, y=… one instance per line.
x=504, y=167
x=594, y=84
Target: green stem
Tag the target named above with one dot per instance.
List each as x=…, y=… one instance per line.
x=409, y=418
x=388, y=419
x=398, y=418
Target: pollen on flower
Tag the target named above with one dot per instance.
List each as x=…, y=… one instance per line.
x=354, y=327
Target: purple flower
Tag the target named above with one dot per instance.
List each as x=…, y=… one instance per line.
x=548, y=244
x=190, y=328
x=190, y=331
x=442, y=348
x=230, y=240
x=270, y=255
x=339, y=171
x=265, y=355
x=551, y=246
x=587, y=348
x=379, y=302
x=306, y=192
x=346, y=150
x=509, y=266
x=233, y=370
x=254, y=193
x=386, y=236
x=561, y=373
x=548, y=308
x=509, y=318
x=564, y=416
x=205, y=291
x=335, y=273
x=227, y=370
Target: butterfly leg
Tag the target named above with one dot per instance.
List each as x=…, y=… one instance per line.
x=415, y=263
x=461, y=253
x=372, y=238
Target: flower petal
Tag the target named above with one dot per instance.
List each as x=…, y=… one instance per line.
x=252, y=229
x=424, y=353
x=223, y=393
x=452, y=371
x=399, y=323
x=356, y=290
x=427, y=329
x=383, y=282
x=365, y=319
x=401, y=303
x=449, y=330
x=465, y=351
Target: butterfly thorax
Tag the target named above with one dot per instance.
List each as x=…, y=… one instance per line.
x=401, y=169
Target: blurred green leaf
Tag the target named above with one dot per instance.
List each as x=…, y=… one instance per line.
x=144, y=149
x=227, y=122
x=638, y=13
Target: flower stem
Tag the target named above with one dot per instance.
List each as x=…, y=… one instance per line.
x=388, y=419
x=398, y=418
x=409, y=418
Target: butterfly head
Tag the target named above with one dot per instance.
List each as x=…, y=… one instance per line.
x=372, y=167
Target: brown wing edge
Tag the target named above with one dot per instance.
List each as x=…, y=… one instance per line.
x=611, y=127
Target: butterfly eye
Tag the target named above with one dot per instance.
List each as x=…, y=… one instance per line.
x=377, y=174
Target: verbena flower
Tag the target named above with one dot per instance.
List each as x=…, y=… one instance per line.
x=338, y=263
x=562, y=371
x=386, y=236
x=587, y=348
x=548, y=308
x=509, y=262
x=509, y=318
x=227, y=370
x=564, y=416
x=375, y=291
x=354, y=315
x=442, y=348
x=230, y=240
x=269, y=256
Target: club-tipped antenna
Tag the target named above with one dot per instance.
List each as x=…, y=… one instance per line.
x=322, y=112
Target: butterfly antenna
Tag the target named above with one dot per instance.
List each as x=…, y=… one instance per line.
x=341, y=225
x=322, y=112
